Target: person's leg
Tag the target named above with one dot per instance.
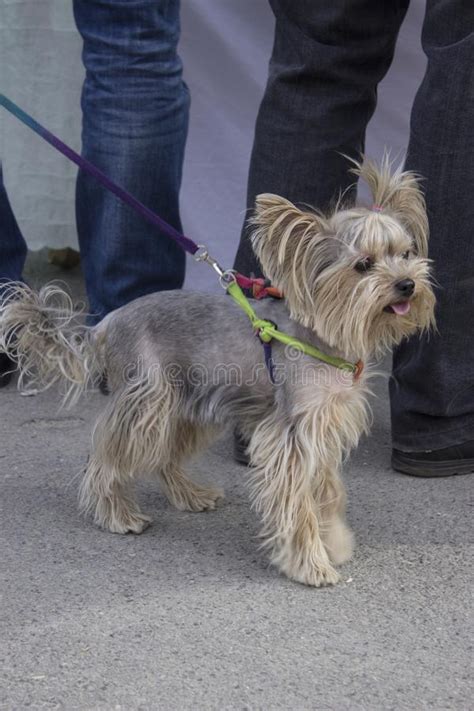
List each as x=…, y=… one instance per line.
x=327, y=60
x=12, y=260
x=135, y=118
x=12, y=245
x=432, y=389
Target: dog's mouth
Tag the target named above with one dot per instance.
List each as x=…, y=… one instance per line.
x=401, y=308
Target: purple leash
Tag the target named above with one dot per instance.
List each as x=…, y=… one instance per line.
x=187, y=244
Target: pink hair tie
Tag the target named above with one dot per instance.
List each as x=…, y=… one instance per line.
x=376, y=208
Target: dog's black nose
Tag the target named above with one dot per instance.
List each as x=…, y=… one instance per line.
x=406, y=287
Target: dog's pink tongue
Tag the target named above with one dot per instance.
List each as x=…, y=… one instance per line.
x=402, y=308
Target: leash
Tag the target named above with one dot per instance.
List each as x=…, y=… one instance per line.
x=230, y=280
x=187, y=244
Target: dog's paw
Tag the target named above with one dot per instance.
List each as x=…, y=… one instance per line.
x=306, y=567
x=315, y=576
x=129, y=523
x=198, y=498
x=339, y=542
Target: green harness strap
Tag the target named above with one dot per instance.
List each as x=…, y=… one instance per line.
x=267, y=331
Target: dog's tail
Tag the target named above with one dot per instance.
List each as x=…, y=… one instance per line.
x=48, y=340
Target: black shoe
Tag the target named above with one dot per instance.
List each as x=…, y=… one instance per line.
x=240, y=449
x=7, y=368
x=436, y=462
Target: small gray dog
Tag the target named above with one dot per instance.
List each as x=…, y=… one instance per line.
x=181, y=366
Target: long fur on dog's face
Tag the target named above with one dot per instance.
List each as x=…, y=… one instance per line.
x=340, y=273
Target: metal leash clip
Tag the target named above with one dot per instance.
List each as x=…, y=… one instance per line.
x=202, y=255
x=226, y=276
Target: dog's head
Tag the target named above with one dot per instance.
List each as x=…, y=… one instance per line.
x=360, y=277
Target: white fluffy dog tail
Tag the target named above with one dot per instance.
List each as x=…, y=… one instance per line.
x=48, y=340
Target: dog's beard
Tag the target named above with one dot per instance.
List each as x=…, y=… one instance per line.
x=356, y=316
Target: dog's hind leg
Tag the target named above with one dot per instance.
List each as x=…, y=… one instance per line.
x=183, y=493
x=108, y=497
x=129, y=437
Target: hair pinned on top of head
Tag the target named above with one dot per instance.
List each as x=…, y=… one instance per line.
x=397, y=191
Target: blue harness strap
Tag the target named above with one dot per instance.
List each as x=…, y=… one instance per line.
x=267, y=352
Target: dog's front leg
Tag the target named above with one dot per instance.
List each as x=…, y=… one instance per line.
x=282, y=485
x=330, y=498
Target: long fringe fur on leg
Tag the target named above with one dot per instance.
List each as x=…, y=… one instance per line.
x=47, y=338
x=296, y=488
x=131, y=437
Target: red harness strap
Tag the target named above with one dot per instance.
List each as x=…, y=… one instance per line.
x=259, y=287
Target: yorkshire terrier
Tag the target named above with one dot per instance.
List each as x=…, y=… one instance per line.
x=181, y=366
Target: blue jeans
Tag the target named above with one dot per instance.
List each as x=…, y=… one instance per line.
x=135, y=118
x=328, y=58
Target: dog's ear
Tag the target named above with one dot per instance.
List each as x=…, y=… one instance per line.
x=292, y=245
x=399, y=192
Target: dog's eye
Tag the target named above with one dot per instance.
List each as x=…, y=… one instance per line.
x=406, y=255
x=363, y=265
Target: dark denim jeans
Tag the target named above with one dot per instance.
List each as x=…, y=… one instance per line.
x=327, y=60
x=12, y=245
x=135, y=118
